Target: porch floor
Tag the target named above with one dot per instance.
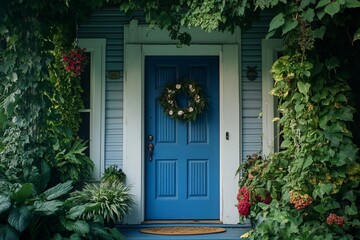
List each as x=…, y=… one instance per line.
x=232, y=232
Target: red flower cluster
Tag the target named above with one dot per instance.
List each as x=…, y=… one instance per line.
x=300, y=201
x=243, y=198
x=75, y=61
x=335, y=219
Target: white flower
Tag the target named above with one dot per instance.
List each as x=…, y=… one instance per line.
x=190, y=109
x=180, y=112
x=197, y=98
x=171, y=112
x=169, y=90
x=170, y=102
x=178, y=86
x=191, y=88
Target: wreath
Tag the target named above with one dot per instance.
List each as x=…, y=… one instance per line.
x=192, y=90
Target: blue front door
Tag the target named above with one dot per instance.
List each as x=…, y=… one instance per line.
x=182, y=178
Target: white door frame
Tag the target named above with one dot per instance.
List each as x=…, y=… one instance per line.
x=140, y=42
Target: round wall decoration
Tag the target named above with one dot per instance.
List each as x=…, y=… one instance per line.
x=196, y=100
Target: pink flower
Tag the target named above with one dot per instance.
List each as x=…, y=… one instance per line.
x=335, y=219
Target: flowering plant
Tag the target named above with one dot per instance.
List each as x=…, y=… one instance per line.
x=196, y=100
x=75, y=61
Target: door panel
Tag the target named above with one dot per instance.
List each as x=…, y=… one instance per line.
x=182, y=179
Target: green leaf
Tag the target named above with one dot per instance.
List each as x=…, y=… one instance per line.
x=76, y=211
x=289, y=25
x=20, y=218
x=100, y=232
x=320, y=208
x=5, y=203
x=352, y=3
x=23, y=193
x=322, y=189
x=351, y=210
x=309, y=160
x=319, y=32
x=47, y=208
x=58, y=190
x=286, y=143
x=304, y=87
x=116, y=234
x=277, y=22
x=75, y=236
x=308, y=15
x=333, y=8
x=322, y=3
x=357, y=35
x=8, y=233
x=349, y=196
x=324, y=120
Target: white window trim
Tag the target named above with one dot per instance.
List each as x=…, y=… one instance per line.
x=139, y=42
x=270, y=48
x=97, y=48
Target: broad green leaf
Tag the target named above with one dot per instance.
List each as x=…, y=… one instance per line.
x=47, y=208
x=320, y=208
x=23, y=193
x=324, y=120
x=308, y=15
x=75, y=236
x=308, y=161
x=277, y=22
x=333, y=8
x=351, y=210
x=5, y=203
x=304, y=87
x=116, y=234
x=352, y=3
x=289, y=25
x=322, y=3
x=286, y=143
x=349, y=196
x=357, y=35
x=58, y=190
x=319, y=32
x=100, y=232
x=8, y=233
x=76, y=211
x=20, y=218
x=322, y=189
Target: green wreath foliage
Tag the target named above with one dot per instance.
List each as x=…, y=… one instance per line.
x=196, y=98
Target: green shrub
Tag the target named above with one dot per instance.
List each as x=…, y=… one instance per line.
x=110, y=200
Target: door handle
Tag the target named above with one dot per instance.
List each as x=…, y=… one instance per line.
x=151, y=150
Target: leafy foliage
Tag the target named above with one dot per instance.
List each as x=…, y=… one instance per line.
x=110, y=200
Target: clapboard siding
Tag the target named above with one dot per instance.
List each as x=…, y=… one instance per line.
x=251, y=90
x=109, y=24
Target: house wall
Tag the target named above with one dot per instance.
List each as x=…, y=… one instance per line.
x=108, y=24
x=251, y=90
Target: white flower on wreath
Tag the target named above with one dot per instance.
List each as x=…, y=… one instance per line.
x=180, y=112
x=169, y=90
x=192, y=89
x=171, y=112
x=171, y=102
x=197, y=98
x=178, y=86
x=190, y=109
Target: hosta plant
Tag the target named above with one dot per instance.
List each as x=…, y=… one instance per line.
x=110, y=200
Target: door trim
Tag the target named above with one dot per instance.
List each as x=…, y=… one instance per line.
x=140, y=42
x=97, y=48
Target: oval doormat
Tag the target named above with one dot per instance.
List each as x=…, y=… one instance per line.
x=183, y=230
